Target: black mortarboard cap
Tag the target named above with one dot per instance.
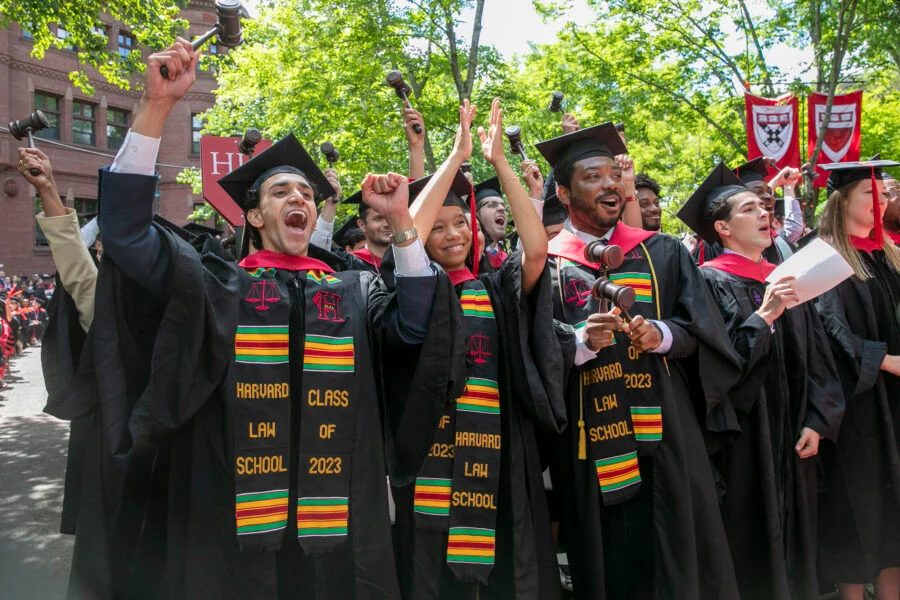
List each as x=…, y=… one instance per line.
x=285, y=156
x=198, y=229
x=346, y=228
x=355, y=199
x=847, y=173
x=176, y=229
x=457, y=196
x=620, y=127
x=487, y=189
x=554, y=211
x=599, y=140
x=720, y=184
x=753, y=170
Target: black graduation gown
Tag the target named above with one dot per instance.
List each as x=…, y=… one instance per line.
x=768, y=494
x=530, y=384
x=669, y=540
x=860, y=501
x=179, y=406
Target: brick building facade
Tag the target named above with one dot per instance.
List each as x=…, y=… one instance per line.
x=91, y=130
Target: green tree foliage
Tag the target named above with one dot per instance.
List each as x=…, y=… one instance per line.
x=153, y=23
x=674, y=71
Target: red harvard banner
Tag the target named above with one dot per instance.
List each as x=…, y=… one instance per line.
x=841, y=143
x=219, y=156
x=773, y=129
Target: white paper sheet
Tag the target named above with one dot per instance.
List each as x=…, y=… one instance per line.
x=817, y=268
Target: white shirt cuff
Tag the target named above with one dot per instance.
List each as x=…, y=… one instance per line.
x=412, y=261
x=323, y=234
x=89, y=232
x=666, y=344
x=137, y=155
x=583, y=354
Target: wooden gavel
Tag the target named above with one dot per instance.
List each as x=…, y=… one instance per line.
x=34, y=122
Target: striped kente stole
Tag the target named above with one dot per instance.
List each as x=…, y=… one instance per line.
x=457, y=488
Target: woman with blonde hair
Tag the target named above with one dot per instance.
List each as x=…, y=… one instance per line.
x=860, y=502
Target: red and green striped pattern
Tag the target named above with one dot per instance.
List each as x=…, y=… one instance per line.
x=647, y=422
x=261, y=512
x=640, y=282
x=320, y=276
x=432, y=496
x=618, y=472
x=261, y=344
x=480, y=395
x=259, y=271
x=322, y=517
x=476, y=303
x=471, y=545
x=327, y=354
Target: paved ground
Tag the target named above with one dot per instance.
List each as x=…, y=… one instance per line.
x=34, y=556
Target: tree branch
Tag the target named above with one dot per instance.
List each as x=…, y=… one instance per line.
x=674, y=94
x=770, y=89
x=473, y=48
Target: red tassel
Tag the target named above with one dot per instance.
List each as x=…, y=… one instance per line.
x=474, y=225
x=876, y=208
x=700, y=254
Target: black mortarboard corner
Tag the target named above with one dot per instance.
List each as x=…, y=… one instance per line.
x=341, y=234
x=285, y=156
x=719, y=185
x=848, y=173
x=754, y=170
x=489, y=188
x=176, y=229
x=554, y=211
x=599, y=140
x=355, y=199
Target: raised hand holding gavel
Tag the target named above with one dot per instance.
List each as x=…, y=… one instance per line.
x=228, y=30
x=402, y=89
x=35, y=122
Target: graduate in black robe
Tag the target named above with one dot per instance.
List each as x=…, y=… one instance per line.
x=859, y=511
x=262, y=380
x=786, y=401
x=637, y=496
x=513, y=366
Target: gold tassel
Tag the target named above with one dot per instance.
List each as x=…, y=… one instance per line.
x=582, y=442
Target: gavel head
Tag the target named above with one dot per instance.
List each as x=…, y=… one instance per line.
x=395, y=80
x=556, y=102
x=331, y=155
x=610, y=257
x=466, y=167
x=620, y=295
x=230, y=31
x=34, y=122
x=514, y=135
x=251, y=138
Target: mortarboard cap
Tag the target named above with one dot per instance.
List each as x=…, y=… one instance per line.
x=489, y=188
x=355, y=199
x=847, y=173
x=719, y=185
x=753, y=170
x=457, y=196
x=176, y=229
x=345, y=229
x=554, y=211
x=285, y=156
x=599, y=140
x=620, y=127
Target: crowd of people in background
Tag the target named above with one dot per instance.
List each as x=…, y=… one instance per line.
x=557, y=375
x=23, y=316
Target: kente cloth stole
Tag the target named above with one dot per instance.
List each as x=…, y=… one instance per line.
x=457, y=488
x=322, y=356
x=611, y=415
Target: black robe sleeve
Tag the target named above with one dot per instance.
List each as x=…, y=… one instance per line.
x=858, y=359
x=825, y=399
x=415, y=398
x=530, y=343
x=717, y=367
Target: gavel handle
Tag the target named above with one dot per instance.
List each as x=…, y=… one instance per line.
x=522, y=152
x=34, y=172
x=417, y=128
x=164, y=70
